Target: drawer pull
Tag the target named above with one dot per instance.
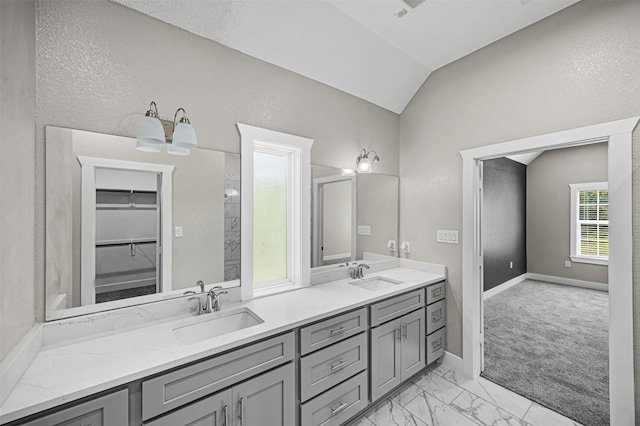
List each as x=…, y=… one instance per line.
x=340, y=365
x=437, y=344
x=241, y=411
x=224, y=415
x=436, y=292
x=337, y=330
x=436, y=316
x=339, y=408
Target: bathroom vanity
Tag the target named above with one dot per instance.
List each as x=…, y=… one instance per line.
x=315, y=356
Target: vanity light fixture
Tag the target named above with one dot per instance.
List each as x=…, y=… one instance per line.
x=153, y=132
x=364, y=164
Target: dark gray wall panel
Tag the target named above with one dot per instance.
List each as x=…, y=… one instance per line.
x=504, y=221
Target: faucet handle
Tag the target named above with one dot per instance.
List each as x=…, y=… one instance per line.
x=189, y=292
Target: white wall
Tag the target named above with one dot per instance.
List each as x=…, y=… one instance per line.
x=17, y=173
x=575, y=68
x=549, y=208
x=99, y=65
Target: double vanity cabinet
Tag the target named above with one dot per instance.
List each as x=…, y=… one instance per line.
x=318, y=374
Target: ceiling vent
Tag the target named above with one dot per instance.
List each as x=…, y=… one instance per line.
x=413, y=3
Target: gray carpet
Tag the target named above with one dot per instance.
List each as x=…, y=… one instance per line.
x=549, y=343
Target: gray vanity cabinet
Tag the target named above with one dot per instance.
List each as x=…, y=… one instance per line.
x=333, y=369
x=398, y=345
x=268, y=399
x=436, y=321
x=108, y=410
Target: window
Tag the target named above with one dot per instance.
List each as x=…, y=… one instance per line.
x=590, y=223
x=276, y=211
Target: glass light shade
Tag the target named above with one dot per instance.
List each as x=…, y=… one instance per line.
x=184, y=136
x=150, y=131
x=177, y=150
x=364, y=165
x=143, y=145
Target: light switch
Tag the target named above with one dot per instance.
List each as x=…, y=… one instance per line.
x=179, y=233
x=364, y=230
x=446, y=236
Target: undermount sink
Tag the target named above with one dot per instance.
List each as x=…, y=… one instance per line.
x=207, y=326
x=375, y=283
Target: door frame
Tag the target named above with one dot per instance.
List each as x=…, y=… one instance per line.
x=88, y=233
x=619, y=136
x=318, y=213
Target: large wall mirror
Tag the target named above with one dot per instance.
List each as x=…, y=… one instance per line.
x=351, y=214
x=125, y=227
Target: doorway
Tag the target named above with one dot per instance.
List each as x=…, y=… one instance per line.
x=619, y=136
x=118, y=197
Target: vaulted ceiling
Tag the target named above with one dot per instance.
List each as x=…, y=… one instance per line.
x=378, y=50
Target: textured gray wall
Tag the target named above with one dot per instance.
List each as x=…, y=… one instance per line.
x=99, y=65
x=575, y=68
x=17, y=202
x=504, y=221
x=549, y=208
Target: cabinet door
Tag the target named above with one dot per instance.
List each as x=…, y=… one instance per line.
x=108, y=410
x=385, y=369
x=268, y=399
x=413, y=343
x=214, y=410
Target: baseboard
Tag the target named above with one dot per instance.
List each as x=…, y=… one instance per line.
x=18, y=360
x=452, y=361
x=568, y=281
x=504, y=286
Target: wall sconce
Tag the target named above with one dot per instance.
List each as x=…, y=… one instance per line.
x=364, y=164
x=153, y=132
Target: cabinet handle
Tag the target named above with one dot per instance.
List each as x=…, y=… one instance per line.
x=404, y=330
x=398, y=334
x=341, y=364
x=224, y=415
x=241, y=411
x=436, y=292
x=339, y=408
x=337, y=330
x=437, y=344
x=436, y=316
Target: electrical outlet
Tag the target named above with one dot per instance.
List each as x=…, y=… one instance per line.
x=405, y=247
x=567, y=264
x=179, y=232
x=391, y=245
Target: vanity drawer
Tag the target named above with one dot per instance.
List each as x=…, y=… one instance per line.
x=395, y=307
x=185, y=385
x=327, y=367
x=327, y=332
x=436, y=316
x=109, y=410
x=436, y=292
x=338, y=404
x=436, y=343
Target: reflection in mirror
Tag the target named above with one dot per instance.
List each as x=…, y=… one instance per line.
x=125, y=227
x=351, y=215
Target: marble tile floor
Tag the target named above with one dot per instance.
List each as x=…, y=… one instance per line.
x=442, y=397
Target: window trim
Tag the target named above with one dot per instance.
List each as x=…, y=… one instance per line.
x=574, y=231
x=299, y=244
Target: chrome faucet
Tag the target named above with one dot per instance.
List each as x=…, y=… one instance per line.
x=357, y=271
x=213, y=300
x=361, y=268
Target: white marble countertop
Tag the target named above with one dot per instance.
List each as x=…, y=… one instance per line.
x=66, y=372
